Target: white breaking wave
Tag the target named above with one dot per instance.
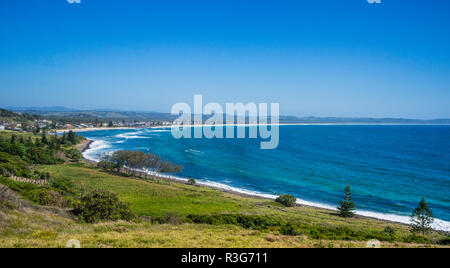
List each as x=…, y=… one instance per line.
x=131, y=135
x=94, y=147
x=160, y=130
x=192, y=151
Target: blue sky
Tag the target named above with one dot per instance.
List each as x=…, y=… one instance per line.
x=316, y=58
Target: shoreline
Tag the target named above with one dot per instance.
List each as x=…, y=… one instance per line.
x=440, y=225
x=85, y=145
x=253, y=124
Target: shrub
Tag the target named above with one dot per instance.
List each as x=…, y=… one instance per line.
x=13, y=165
x=170, y=218
x=344, y=233
x=73, y=154
x=63, y=185
x=289, y=229
x=418, y=239
x=389, y=230
x=45, y=235
x=192, y=182
x=445, y=241
x=287, y=200
x=102, y=205
x=44, y=176
x=46, y=197
x=255, y=222
x=37, y=194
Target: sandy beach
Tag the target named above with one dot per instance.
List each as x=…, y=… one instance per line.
x=242, y=125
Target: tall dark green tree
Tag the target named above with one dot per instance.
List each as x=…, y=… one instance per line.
x=346, y=208
x=422, y=218
x=29, y=142
x=44, y=139
x=37, y=130
x=72, y=137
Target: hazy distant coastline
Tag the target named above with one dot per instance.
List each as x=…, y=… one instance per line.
x=240, y=125
x=114, y=114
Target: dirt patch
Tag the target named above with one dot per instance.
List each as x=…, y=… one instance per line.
x=11, y=198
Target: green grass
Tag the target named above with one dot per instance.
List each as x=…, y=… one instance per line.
x=314, y=227
x=43, y=229
x=8, y=133
x=151, y=198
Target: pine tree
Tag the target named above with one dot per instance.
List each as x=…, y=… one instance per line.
x=44, y=139
x=72, y=137
x=30, y=142
x=13, y=139
x=422, y=218
x=346, y=208
x=38, y=129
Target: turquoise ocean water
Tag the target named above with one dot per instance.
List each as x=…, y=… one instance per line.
x=389, y=168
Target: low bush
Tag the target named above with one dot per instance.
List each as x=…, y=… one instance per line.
x=344, y=233
x=37, y=194
x=62, y=185
x=418, y=239
x=192, y=182
x=170, y=218
x=287, y=200
x=73, y=154
x=289, y=229
x=45, y=235
x=11, y=165
x=445, y=241
x=389, y=230
x=102, y=206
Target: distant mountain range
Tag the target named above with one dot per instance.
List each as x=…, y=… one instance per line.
x=40, y=109
x=113, y=114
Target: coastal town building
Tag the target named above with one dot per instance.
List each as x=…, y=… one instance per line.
x=2, y=127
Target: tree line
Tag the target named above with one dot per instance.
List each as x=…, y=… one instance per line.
x=18, y=152
x=133, y=162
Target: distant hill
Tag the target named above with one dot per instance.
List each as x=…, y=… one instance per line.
x=41, y=109
x=59, y=112
x=8, y=114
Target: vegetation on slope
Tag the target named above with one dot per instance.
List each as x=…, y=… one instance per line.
x=175, y=215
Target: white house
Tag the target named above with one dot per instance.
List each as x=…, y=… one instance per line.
x=2, y=127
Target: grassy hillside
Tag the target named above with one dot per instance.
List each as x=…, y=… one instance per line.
x=6, y=113
x=174, y=214
x=8, y=116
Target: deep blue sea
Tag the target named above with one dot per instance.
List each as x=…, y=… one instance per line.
x=389, y=168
